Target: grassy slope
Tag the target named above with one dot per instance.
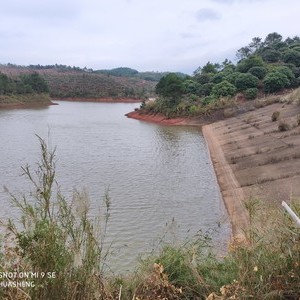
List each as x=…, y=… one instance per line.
x=21, y=100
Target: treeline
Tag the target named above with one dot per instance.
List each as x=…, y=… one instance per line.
x=128, y=72
x=264, y=66
x=118, y=72
x=58, y=67
x=23, y=84
x=65, y=81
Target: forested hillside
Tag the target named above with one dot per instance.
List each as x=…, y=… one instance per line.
x=65, y=81
x=264, y=66
x=24, y=88
x=128, y=72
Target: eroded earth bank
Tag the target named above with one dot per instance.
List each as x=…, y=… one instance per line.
x=254, y=156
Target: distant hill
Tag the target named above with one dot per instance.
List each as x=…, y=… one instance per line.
x=65, y=81
x=128, y=72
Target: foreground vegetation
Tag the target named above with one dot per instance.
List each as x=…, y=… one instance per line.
x=57, y=235
x=265, y=66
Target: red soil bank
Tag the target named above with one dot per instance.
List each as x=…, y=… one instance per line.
x=161, y=119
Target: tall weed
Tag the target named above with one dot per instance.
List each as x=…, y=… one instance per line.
x=55, y=235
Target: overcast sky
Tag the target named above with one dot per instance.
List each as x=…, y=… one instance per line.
x=147, y=35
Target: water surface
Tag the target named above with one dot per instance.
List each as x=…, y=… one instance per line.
x=159, y=177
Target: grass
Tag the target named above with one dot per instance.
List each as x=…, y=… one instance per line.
x=266, y=266
x=56, y=235
x=283, y=125
x=229, y=112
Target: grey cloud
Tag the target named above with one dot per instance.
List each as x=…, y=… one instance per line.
x=206, y=14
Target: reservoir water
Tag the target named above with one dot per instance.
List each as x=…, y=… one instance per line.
x=160, y=178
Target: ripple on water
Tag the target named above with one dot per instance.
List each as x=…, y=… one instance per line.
x=154, y=174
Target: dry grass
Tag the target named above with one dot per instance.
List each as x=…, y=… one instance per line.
x=275, y=116
x=229, y=112
x=283, y=125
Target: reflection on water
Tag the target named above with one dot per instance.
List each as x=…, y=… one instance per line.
x=155, y=174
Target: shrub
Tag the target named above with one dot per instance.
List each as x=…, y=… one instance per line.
x=275, y=116
x=283, y=125
x=229, y=112
x=246, y=64
x=206, y=89
x=246, y=81
x=259, y=72
x=217, y=78
x=293, y=57
x=232, y=77
x=208, y=99
x=275, y=81
x=271, y=55
x=251, y=93
x=288, y=73
x=203, y=78
x=191, y=87
x=224, y=88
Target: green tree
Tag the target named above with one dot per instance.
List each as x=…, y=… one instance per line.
x=293, y=57
x=245, y=81
x=3, y=83
x=251, y=93
x=206, y=89
x=255, y=44
x=217, y=78
x=204, y=78
x=232, y=77
x=208, y=68
x=275, y=81
x=37, y=83
x=272, y=38
x=291, y=41
x=191, y=87
x=224, y=88
x=243, y=53
x=170, y=85
x=271, y=55
x=246, y=64
x=287, y=72
x=259, y=72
